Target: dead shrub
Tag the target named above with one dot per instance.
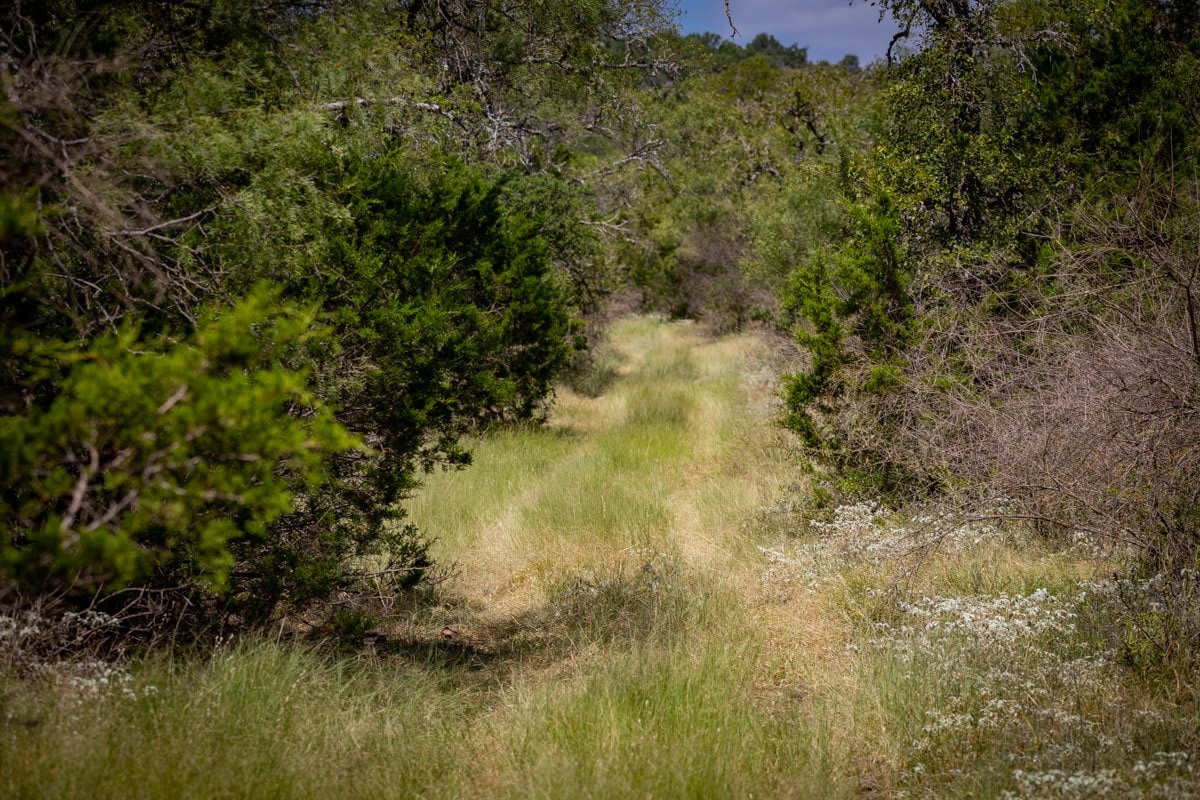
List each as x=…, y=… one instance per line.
x=1081, y=418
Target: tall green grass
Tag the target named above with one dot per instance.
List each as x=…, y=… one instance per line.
x=649, y=722
x=257, y=719
x=632, y=618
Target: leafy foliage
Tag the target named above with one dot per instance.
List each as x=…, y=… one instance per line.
x=385, y=167
x=726, y=53
x=987, y=327
x=155, y=455
x=705, y=237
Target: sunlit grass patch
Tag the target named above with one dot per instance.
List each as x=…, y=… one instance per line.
x=456, y=504
x=674, y=363
x=673, y=722
x=616, y=514
x=650, y=405
x=633, y=466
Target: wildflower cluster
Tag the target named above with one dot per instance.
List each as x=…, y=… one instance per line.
x=1164, y=775
x=996, y=621
x=31, y=633
x=19, y=628
x=1007, y=665
x=50, y=647
x=861, y=534
x=1014, y=684
x=92, y=678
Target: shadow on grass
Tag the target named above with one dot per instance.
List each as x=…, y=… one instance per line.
x=652, y=601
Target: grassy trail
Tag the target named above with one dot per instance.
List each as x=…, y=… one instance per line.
x=615, y=544
x=646, y=605
x=668, y=463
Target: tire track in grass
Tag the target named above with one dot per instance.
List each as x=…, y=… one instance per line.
x=634, y=550
x=661, y=462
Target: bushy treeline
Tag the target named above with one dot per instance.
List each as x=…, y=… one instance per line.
x=985, y=248
x=725, y=52
x=746, y=144
x=1007, y=317
x=263, y=263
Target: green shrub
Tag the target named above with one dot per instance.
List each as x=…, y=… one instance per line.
x=155, y=455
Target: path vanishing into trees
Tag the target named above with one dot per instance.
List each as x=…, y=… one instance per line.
x=609, y=569
x=667, y=462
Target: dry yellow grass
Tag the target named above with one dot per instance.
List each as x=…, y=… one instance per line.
x=673, y=459
x=646, y=607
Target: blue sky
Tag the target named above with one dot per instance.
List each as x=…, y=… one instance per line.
x=828, y=28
